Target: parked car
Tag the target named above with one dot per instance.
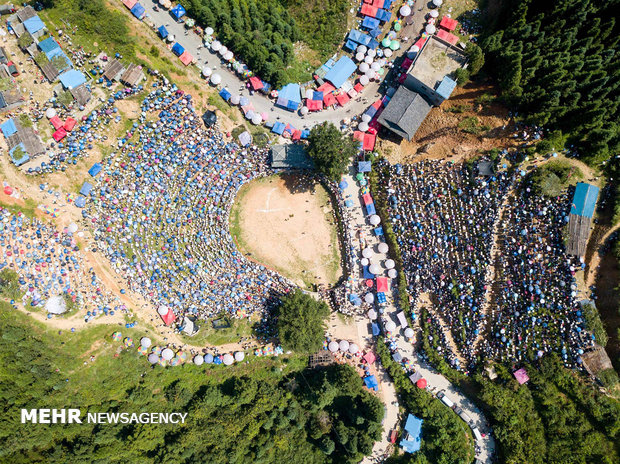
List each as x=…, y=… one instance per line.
x=13, y=69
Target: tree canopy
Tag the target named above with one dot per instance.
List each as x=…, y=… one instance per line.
x=558, y=64
x=301, y=322
x=331, y=150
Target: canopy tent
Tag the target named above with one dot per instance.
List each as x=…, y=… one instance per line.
x=69, y=124
x=367, y=198
x=342, y=99
x=8, y=128
x=163, y=32
x=314, y=105
x=371, y=382
x=382, y=284
x=56, y=305
x=130, y=3
x=364, y=166
x=56, y=122
x=178, y=49
x=329, y=100
x=256, y=83
x=449, y=24
x=59, y=134
x=138, y=11
x=186, y=58
x=178, y=12
x=166, y=314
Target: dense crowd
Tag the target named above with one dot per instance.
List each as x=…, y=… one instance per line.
x=161, y=213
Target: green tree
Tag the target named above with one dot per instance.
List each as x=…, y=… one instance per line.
x=331, y=150
x=301, y=322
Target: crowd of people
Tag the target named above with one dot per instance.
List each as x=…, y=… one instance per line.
x=161, y=215
x=48, y=263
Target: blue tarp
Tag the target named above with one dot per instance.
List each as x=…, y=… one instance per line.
x=370, y=23
x=19, y=161
x=8, y=128
x=163, y=32
x=375, y=329
x=72, y=79
x=446, y=87
x=138, y=11
x=86, y=188
x=48, y=45
x=34, y=24
x=80, y=201
x=95, y=169
x=375, y=32
x=370, y=209
x=379, y=231
x=292, y=106
x=372, y=44
x=413, y=427
x=317, y=95
x=177, y=49
x=359, y=37
x=364, y=166
x=178, y=12
x=383, y=15
x=278, y=128
x=367, y=273
x=371, y=382
x=341, y=71
x=350, y=45
x=291, y=92
x=225, y=94
x=305, y=133
x=584, y=200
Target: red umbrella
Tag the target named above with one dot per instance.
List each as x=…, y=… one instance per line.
x=421, y=383
x=369, y=283
x=8, y=190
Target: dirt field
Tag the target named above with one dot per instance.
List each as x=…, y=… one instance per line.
x=286, y=223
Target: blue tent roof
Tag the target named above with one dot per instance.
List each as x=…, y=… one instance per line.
x=367, y=273
x=278, y=128
x=341, y=71
x=138, y=11
x=95, y=169
x=375, y=329
x=72, y=79
x=370, y=209
x=381, y=297
x=178, y=49
x=48, y=45
x=371, y=382
x=163, y=32
x=584, y=200
x=305, y=133
x=445, y=88
x=291, y=92
x=86, y=188
x=34, y=24
x=80, y=201
x=23, y=159
x=370, y=23
x=413, y=427
x=8, y=128
x=292, y=105
x=364, y=166
x=178, y=12
x=225, y=94
x=379, y=231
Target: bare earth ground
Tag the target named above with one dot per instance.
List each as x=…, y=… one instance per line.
x=286, y=222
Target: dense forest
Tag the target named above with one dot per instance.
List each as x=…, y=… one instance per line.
x=558, y=64
x=268, y=411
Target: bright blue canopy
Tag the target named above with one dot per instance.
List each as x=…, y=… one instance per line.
x=163, y=32
x=341, y=71
x=8, y=128
x=34, y=24
x=95, y=169
x=178, y=12
x=138, y=11
x=48, y=45
x=178, y=49
x=86, y=188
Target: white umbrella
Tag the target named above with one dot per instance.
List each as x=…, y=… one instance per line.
x=333, y=346
x=382, y=62
x=145, y=342
x=367, y=252
x=72, y=228
x=249, y=115
x=366, y=117
x=239, y=356
x=361, y=49
x=50, y=113
x=162, y=310
x=363, y=126
x=170, y=38
x=216, y=45
x=392, y=273
x=223, y=50
x=228, y=359
x=383, y=247
x=375, y=66
x=437, y=2
x=235, y=99
x=372, y=53
x=434, y=13
x=430, y=29
x=228, y=56
x=216, y=79
x=207, y=71
x=304, y=110
x=209, y=31
x=369, y=298
x=199, y=359
x=409, y=332
x=369, y=59
x=364, y=80
x=365, y=261
x=372, y=314
x=359, y=56
x=363, y=67
x=353, y=348
x=167, y=354
x=388, y=52
x=343, y=345
x=390, y=264
x=256, y=119
x=375, y=220
x=374, y=269
x=390, y=326
x=153, y=358
x=405, y=10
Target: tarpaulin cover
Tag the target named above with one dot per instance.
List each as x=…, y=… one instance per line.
x=371, y=382
x=367, y=274
x=95, y=169
x=370, y=209
x=69, y=124
x=406, y=63
x=358, y=87
x=379, y=231
x=256, y=83
x=178, y=12
x=34, y=24
x=329, y=99
x=138, y=11
x=370, y=23
x=358, y=135
x=8, y=128
x=296, y=134
x=318, y=96
x=449, y=24
x=324, y=88
x=341, y=71
x=13, y=153
x=80, y=201
x=291, y=92
x=350, y=45
x=382, y=284
x=130, y=3
x=56, y=122
x=314, y=105
x=225, y=94
x=163, y=32
x=48, y=45
x=375, y=329
x=292, y=105
x=367, y=198
x=177, y=49
x=369, y=10
x=278, y=128
x=343, y=99
x=86, y=188
x=364, y=166
x=305, y=133
x=72, y=79
x=420, y=43
x=169, y=317
x=59, y=134
x=447, y=36
x=584, y=199
x=186, y=58
x=521, y=376
x=245, y=139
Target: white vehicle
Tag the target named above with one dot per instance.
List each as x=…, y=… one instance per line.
x=476, y=432
x=445, y=400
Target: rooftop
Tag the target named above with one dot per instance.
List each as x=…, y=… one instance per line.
x=405, y=113
x=290, y=156
x=436, y=60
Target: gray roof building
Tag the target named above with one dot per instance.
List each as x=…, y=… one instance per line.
x=405, y=112
x=290, y=156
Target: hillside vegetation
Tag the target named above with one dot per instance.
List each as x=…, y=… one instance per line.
x=558, y=64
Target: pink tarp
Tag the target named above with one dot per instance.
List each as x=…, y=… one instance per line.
x=186, y=58
x=521, y=376
x=314, y=105
x=447, y=36
x=59, y=134
x=329, y=99
x=130, y=3
x=370, y=357
x=343, y=99
x=369, y=142
x=448, y=24
x=256, y=83
x=56, y=122
x=169, y=317
x=382, y=284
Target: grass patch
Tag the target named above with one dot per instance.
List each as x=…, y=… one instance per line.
x=552, y=178
x=217, y=101
x=238, y=329
x=460, y=108
x=28, y=209
x=9, y=284
x=471, y=125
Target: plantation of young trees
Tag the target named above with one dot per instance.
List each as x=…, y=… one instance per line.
x=558, y=64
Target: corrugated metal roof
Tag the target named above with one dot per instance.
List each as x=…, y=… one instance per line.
x=584, y=200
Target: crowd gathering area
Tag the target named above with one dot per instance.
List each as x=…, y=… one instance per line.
x=515, y=305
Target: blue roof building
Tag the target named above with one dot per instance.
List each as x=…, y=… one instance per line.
x=34, y=24
x=584, y=200
x=412, y=441
x=48, y=45
x=289, y=97
x=341, y=71
x=72, y=79
x=445, y=88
